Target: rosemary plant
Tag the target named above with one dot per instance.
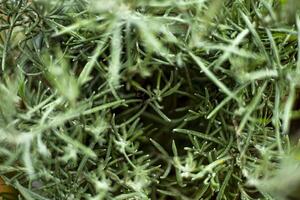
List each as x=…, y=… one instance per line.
x=149, y=99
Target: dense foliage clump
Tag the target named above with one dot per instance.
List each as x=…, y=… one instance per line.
x=150, y=99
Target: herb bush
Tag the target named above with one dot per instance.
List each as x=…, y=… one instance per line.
x=149, y=99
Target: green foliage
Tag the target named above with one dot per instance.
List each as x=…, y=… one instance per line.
x=149, y=99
